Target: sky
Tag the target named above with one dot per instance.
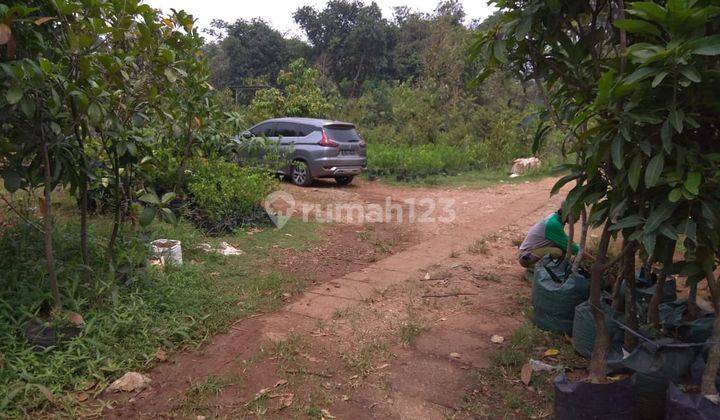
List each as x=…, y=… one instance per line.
x=279, y=12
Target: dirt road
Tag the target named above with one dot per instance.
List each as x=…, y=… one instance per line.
x=396, y=338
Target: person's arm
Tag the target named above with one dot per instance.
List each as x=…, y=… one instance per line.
x=555, y=233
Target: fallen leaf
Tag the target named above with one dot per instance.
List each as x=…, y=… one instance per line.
x=82, y=397
x=526, y=374
x=281, y=382
x=455, y=355
x=345, y=398
x=42, y=20
x=326, y=414
x=497, y=339
x=383, y=366
x=427, y=276
x=552, y=352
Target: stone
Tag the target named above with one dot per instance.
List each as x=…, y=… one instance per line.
x=129, y=382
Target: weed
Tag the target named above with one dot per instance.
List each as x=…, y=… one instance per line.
x=341, y=313
x=479, y=247
x=126, y=321
x=259, y=405
x=197, y=396
x=492, y=277
x=363, y=235
x=361, y=359
x=287, y=350
x=455, y=254
x=499, y=394
x=410, y=331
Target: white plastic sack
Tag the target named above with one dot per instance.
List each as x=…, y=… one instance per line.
x=168, y=251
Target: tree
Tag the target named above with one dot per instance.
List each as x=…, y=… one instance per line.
x=352, y=41
x=633, y=97
x=250, y=49
x=298, y=95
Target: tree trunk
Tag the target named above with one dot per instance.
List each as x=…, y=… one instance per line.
x=713, y=361
x=110, y=253
x=83, y=194
x=653, y=317
x=48, y=231
x=571, y=235
x=628, y=274
x=186, y=155
x=583, y=240
x=712, y=287
x=598, y=362
x=617, y=303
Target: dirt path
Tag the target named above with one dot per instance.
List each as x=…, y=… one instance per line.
x=399, y=338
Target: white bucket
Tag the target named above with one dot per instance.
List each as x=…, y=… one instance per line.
x=168, y=251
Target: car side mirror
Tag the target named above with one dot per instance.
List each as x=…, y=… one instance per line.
x=246, y=135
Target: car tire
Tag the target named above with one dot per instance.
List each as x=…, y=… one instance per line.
x=344, y=180
x=300, y=174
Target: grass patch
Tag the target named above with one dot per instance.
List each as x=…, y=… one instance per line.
x=127, y=319
x=362, y=358
x=475, y=179
x=196, y=398
x=286, y=351
x=498, y=392
x=410, y=331
x=480, y=246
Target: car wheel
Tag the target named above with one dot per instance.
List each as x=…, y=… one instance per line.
x=301, y=174
x=343, y=180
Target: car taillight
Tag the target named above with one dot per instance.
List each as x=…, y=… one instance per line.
x=326, y=142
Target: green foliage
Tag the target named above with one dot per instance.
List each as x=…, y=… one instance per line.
x=634, y=91
x=299, y=95
x=151, y=309
x=250, y=49
x=224, y=196
x=421, y=160
x=419, y=130
x=354, y=38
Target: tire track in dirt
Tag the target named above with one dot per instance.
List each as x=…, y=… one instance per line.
x=369, y=344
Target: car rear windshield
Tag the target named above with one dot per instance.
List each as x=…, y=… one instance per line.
x=342, y=133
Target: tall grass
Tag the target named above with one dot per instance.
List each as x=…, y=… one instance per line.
x=128, y=318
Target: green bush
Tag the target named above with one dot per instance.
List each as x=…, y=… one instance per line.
x=225, y=196
x=427, y=159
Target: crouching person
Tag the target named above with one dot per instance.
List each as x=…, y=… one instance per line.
x=547, y=237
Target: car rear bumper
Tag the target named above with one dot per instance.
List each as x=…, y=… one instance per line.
x=329, y=168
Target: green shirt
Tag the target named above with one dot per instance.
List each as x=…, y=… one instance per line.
x=548, y=232
x=555, y=233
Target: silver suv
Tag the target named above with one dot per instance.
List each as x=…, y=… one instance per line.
x=316, y=148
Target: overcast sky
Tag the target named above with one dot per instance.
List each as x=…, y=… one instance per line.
x=279, y=12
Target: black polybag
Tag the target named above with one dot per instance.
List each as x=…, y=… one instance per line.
x=586, y=401
x=682, y=406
